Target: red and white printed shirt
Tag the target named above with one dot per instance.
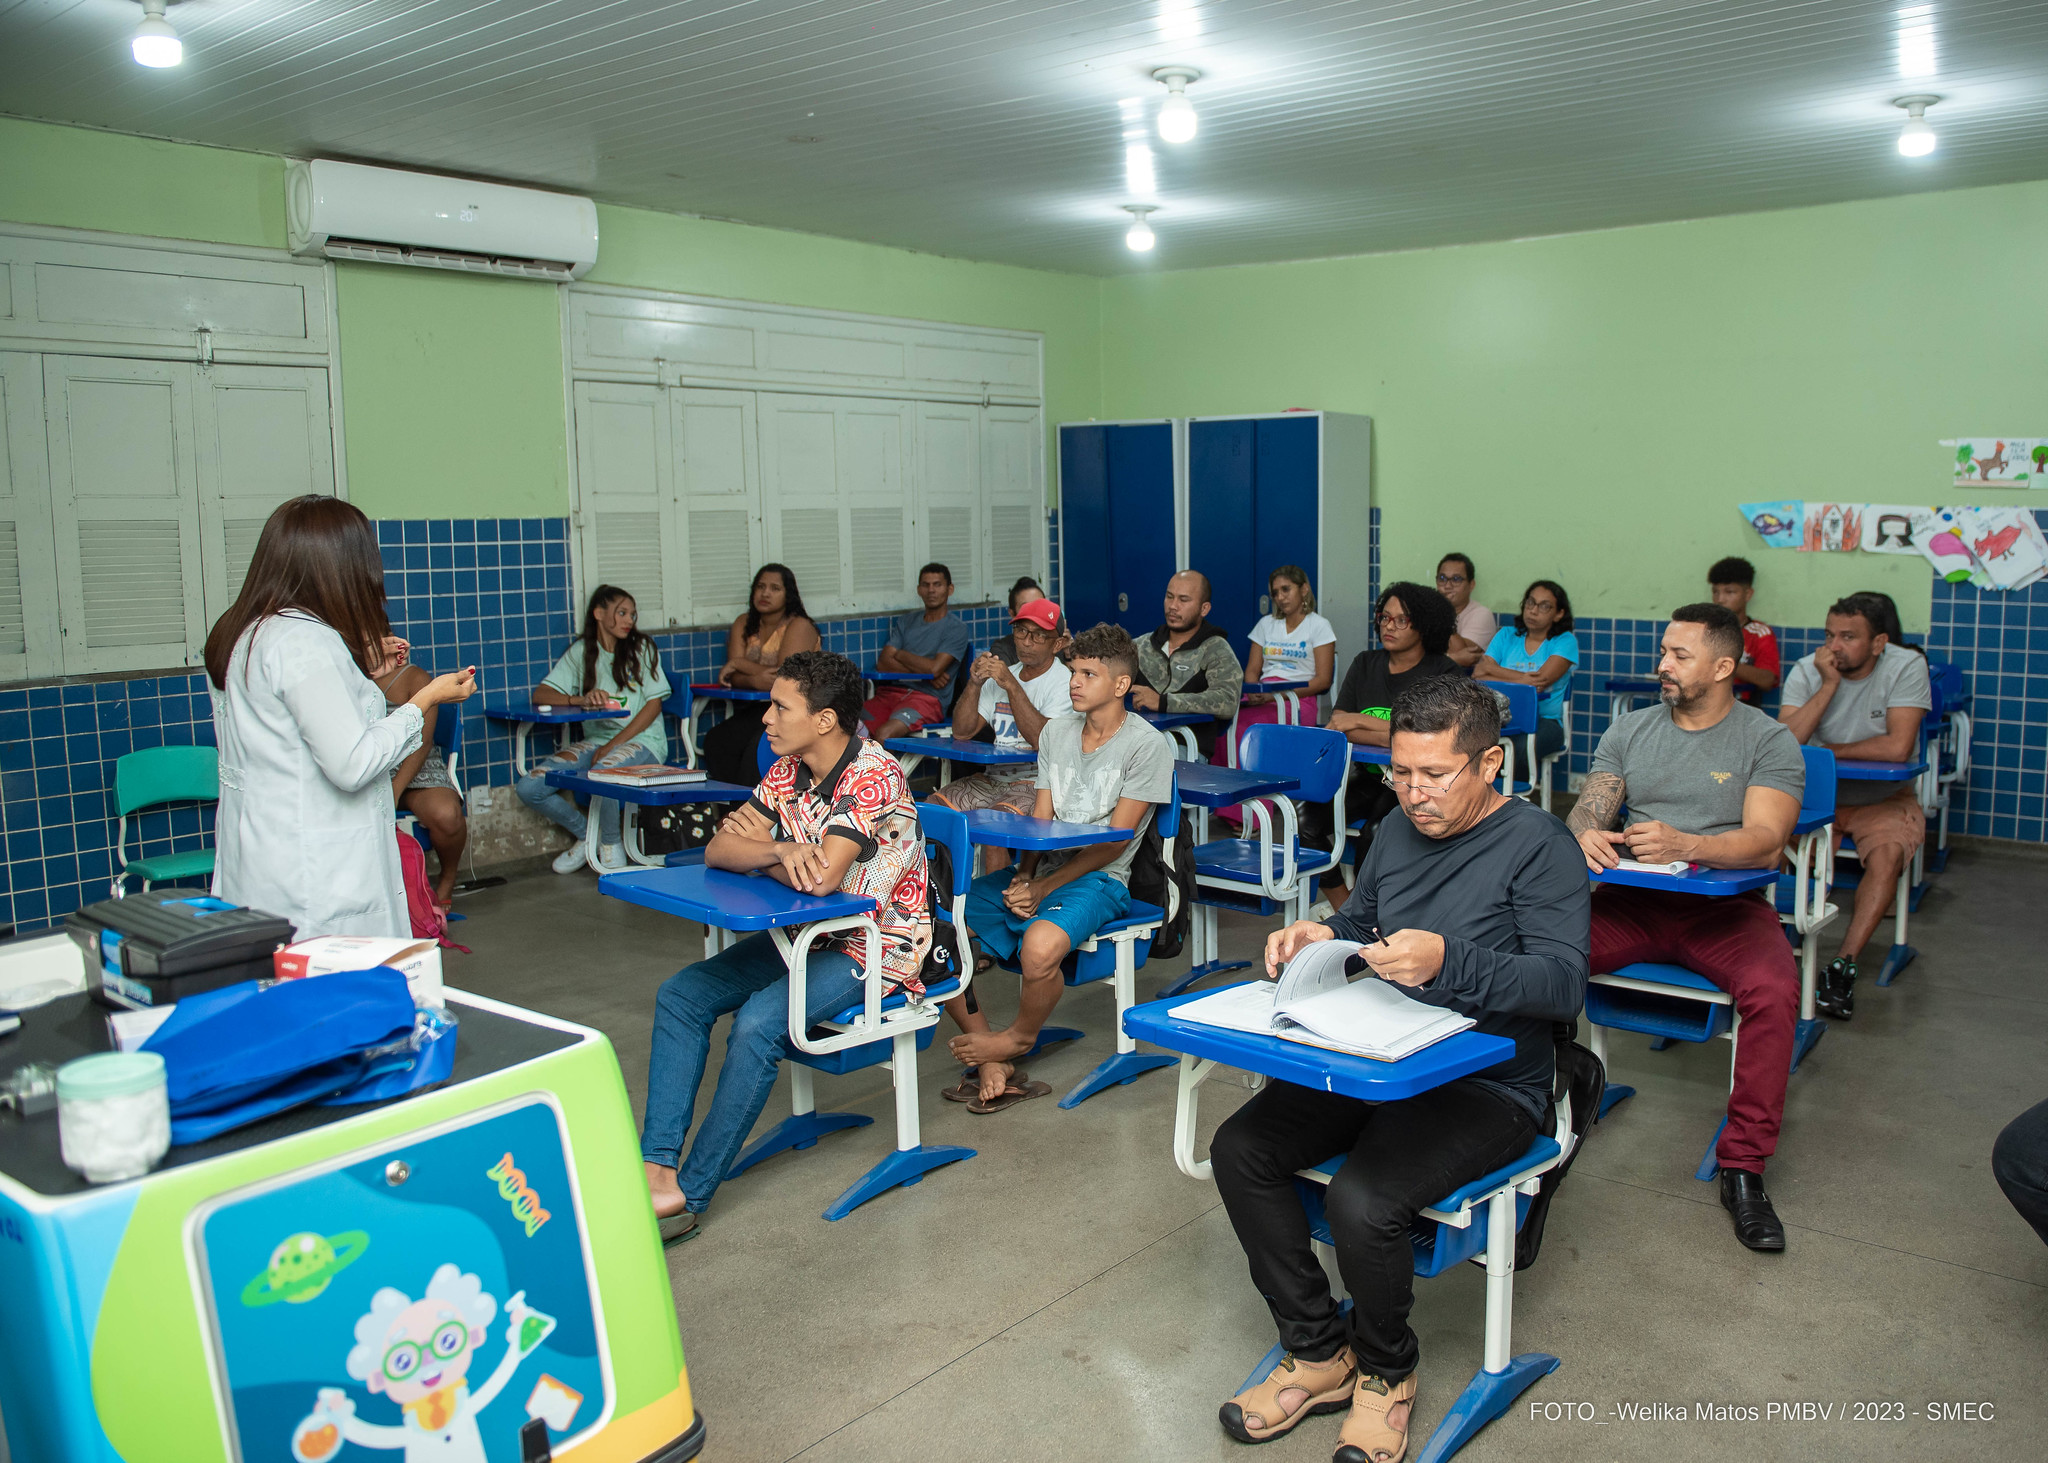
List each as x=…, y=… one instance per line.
x=1760, y=649
x=866, y=800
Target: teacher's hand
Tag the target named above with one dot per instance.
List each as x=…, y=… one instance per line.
x=455, y=686
x=395, y=652
x=1282, y=943
x=1407, y=957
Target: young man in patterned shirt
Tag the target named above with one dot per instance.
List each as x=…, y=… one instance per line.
x=1732, y=583
x=832, y=813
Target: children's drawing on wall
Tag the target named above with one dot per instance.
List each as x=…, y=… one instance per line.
x=418, y=1354
x=1832, y=528
x=2014, y=462
x=1888, y=528
x=1942, y=542
x=1777, y=524
x=2007, y=542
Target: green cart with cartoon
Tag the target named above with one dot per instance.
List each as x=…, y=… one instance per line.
x=469, y=1275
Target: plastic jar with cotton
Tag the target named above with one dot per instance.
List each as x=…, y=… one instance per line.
x=113, y=1115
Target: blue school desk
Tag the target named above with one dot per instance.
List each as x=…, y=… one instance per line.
x=888, y=1028
x=1622, y=692
x=705, y=693
x=912, y=750
x=1375, y=756
x=525, y=716
x=1710, y=883
x=1911, y=887
x=1000, y=828
x=884, y=676
x=1204, y=785
x=667, y=795
x=1445, y=1227
x=1180, y=726
x=199, y=1313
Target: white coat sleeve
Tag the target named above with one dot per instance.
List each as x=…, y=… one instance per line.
x=351, y=751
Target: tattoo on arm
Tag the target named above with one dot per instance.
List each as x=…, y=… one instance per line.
x=1599, y=804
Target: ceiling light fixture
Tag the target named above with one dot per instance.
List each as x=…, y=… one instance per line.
x=1916, y=138
x=1177, y=114
x=1140, y=238
x=155, y=42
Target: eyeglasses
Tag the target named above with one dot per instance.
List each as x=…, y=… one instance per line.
x=1425, y=789
x=1539, y=604
x=402, y=1360
x=1024, y=631
x=1453, y=579
x=1394, y=622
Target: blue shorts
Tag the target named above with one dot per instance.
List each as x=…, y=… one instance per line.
x=1079, y=909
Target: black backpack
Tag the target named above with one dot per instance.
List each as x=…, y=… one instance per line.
x=1163, y=873
x=1580, y=1075
x=942, y=962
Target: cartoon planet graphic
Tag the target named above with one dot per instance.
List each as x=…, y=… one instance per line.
x=302, y=1266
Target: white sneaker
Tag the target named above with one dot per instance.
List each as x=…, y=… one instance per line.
x=570, y=859
x=612, y=857
x=1321, y=910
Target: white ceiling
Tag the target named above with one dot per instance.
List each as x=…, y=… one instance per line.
x=990, y=129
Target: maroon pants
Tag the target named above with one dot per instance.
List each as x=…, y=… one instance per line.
x=1738, y=944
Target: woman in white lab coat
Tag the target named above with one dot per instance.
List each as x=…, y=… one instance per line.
x=305, y=827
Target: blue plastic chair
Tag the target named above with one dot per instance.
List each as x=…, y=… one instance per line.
x=1519, y=725
x=1945, y=743
x=1671, y=1003
x=901, y=1028
x=1476, y=1222
x=681, y=703
x=150, y=779
x=1267, y=874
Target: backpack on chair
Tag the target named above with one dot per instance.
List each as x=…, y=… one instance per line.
x=1170, y=885
x=1579, y=1075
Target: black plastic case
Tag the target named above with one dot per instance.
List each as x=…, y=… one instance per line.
x=153, y=949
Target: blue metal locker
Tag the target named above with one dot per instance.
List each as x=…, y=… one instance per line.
x=1253, y=504
x=1116, y=522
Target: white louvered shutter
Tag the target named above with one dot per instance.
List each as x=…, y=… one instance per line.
x=125, y=506
x=263, y=438
x=803, y=496
x=626, y=499
x=28, y=564
x=873, y=439
x=718, y=487
x=1011, y=438
x=949, y=491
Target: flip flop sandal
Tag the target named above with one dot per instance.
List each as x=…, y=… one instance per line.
x=984, y=963
x=1018, y=1091
x=969, y=1090
x=1369, y=1434
x=1328, y=1386
x=675, y=1228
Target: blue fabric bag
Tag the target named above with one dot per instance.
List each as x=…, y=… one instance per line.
x=248, y=1051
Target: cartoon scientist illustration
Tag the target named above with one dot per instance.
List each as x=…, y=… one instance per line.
x=418, y=1353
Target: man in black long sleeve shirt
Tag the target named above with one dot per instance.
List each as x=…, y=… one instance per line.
x=1488, y=911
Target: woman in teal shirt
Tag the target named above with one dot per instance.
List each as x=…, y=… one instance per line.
x=1538, y=650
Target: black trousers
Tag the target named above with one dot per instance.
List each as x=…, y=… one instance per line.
x=2019, y=1161
x=730, y=748
x=1403, y=1156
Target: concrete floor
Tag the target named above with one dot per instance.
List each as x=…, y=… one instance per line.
x=1068, y=1294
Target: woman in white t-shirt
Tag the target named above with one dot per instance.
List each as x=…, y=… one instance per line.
x=1292, y=645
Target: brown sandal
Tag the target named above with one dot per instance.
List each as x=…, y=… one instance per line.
x=1327, y=1383
x=1019, y=1089
x=1372, y=1432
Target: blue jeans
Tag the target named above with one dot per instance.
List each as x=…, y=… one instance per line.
x=750, y=982
x=558, y=807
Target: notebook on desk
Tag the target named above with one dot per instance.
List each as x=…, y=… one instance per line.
x=1315, y=1003
x=646, y=774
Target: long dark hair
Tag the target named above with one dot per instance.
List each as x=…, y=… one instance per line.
x=1429, y=612
x=792, y=599
x=1563, y=623
x=318, y=555
x=629, y=653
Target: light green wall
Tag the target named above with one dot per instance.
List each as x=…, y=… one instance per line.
x=1589, y=408
x=452, y=384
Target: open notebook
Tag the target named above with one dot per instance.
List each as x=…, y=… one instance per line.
x=1314, y=1003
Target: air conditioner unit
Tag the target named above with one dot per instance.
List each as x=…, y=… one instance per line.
x=388, y=216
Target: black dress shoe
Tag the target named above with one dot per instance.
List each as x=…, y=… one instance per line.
x=1756, y=1223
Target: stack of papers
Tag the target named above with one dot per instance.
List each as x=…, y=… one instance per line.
x=1677, y=866
x=1313, y=1003
x=647, y=774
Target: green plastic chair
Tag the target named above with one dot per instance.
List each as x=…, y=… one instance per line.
x=149, y=779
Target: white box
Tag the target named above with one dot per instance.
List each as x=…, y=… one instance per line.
x=419, y=961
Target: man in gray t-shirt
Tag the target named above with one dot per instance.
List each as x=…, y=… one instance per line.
x=931, y=643
x=1863, y=698
x=1707, y=781
x=1101, y=765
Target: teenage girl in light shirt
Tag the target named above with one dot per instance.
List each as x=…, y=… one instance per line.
x=1291, y=645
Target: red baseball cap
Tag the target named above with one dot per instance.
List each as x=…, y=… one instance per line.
x=1041, y=612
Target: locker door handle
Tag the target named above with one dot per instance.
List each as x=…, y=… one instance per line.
x=1123, y=602
x=1265, y=604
